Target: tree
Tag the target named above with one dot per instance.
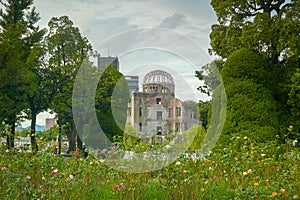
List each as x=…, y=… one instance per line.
x=17, y=36
x=67, y=50
x=294, y=99
x=250, y=107
x=269, y=27
x=111, y=104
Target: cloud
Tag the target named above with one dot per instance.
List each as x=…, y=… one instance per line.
x=172, y=22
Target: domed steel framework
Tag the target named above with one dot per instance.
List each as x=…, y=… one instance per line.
x=158, y=77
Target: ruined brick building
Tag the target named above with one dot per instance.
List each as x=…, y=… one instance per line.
x=155, y=111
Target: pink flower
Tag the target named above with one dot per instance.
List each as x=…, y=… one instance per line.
x=249, y=171
x=76, y=152
x=205, y=163
x=225, y=149
x=104, y=150
x=56, y=174
x=71, y=176
x=52, y=172
x=238, y=137
x=244, y=146
x=215, y=177
x=115, y=187
x=188, y=155
x=120, y=186
x=291, y=127
x=3, y=168
x=28, y=177
x=114, y=147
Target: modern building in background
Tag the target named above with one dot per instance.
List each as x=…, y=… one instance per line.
x=49, y=123
x=133, y=83
x=155, y=111
x=103, y=62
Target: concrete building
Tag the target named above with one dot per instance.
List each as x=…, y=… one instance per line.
x=133, y=83
x=49, y=123
x=103, y=62
x=155, y=111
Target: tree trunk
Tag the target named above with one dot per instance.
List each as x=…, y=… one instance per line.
x=72, y=138
x=34, y=146
x=10, y=139
x=59, y=135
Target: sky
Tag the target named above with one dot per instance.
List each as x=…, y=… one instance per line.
x=144, y=34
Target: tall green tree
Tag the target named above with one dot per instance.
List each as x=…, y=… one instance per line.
x=67, y=49
x=111, y=102
x=250, y=106
x=270, y=27
x=18, y=34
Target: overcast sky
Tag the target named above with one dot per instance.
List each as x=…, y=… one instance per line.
x=179, y=41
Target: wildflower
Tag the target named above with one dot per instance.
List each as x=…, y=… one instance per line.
x=215, y=177
x=177, y=163
x=225, y=149
x=291, y=127
x=184, y=171
x=52, y=172
x=249, y=171
x=295, y=197
x=28, y=177
x=43, y=178
x=120, y=186
x=262, y=154
x=244, y=146
x=168, y=146
x=76, y=152
x=286, y=196
x=205, y=163
x=56, y=170
x=115, y=187
x=274, y=194
x=188, y=154
x=245, y=173
x=20, y=150
x=282, y=190
x=256, y=184
x=7, y=151
x=238, y=137
x=3, y=168
x=114, y=147
x=56, y=174
x=104, y=150
x=71, y=176
x=245, y=138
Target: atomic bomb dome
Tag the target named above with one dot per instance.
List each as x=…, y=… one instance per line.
x=159, y=77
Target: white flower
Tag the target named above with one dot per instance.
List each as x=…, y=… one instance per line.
x=245, y=173
x=56, y=170
x=71, y=176
x=177, y=163
x=168, y=146
x=245, y=138
x=262, y=154
x=91, y=163
x=43, y=178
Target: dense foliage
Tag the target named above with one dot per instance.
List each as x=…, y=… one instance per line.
x=254, y=174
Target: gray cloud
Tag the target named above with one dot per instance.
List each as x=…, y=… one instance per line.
x=172, y=22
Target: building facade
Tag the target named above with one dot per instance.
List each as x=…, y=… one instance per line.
x=103, y=62
x=133, y=83
x=155, y=111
